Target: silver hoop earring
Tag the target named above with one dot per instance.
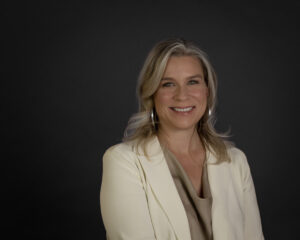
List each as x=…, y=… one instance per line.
x=152, y=117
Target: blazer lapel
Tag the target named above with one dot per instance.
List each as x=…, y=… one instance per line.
x=162, y=184
x=224, y=211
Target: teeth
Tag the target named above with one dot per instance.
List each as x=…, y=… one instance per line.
x=183, y=109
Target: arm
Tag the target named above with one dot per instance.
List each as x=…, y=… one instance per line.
x=253, y=229
x=123, y=200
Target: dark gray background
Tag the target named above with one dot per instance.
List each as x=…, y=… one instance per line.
x=68, y=75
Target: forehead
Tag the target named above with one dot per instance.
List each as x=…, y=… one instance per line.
x=183, y=65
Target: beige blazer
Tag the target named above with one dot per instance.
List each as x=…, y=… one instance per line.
x=139, y=199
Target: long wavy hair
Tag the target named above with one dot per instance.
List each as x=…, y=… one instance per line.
x=140, y=128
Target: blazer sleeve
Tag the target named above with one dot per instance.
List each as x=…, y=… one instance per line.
x=253, y=228
x=123, y=200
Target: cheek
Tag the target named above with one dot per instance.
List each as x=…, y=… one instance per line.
x=161, y=99
x=201, y=96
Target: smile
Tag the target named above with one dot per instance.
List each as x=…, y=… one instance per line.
x=186, y=109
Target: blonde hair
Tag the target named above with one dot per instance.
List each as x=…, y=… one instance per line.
x=140, y=127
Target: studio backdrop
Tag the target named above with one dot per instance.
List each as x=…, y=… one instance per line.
x=69, y=71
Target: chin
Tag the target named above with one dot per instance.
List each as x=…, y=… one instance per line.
x=186, y=126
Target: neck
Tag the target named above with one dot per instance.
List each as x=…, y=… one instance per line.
x=181, y=142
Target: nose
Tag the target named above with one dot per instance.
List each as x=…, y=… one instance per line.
x=181, y=93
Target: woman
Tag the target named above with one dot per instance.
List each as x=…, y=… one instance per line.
x=174, y=176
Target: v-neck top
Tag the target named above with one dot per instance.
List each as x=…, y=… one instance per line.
x=198, y=209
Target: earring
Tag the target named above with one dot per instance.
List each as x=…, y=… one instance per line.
x=209, y=112
x=152, y=117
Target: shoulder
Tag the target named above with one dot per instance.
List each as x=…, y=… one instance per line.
x=239, y=162
x=120, y=148
x=120, y=153
x=238, y=159
x=236, y=155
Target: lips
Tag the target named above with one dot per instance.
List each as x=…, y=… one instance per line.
x=182, y=109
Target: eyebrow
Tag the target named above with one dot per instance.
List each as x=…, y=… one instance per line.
x=190, y=77
x=196, y=76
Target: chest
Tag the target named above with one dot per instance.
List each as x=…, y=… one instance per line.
x=228, y=204
x=194, y=172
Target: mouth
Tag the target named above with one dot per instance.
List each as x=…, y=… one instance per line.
x=182, y=109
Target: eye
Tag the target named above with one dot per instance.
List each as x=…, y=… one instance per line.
x=168, y=84
x=192, y=82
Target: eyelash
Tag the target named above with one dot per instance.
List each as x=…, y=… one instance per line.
x=169, y=84
x=193, y=82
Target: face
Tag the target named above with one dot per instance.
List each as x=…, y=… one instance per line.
x=181, y=98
